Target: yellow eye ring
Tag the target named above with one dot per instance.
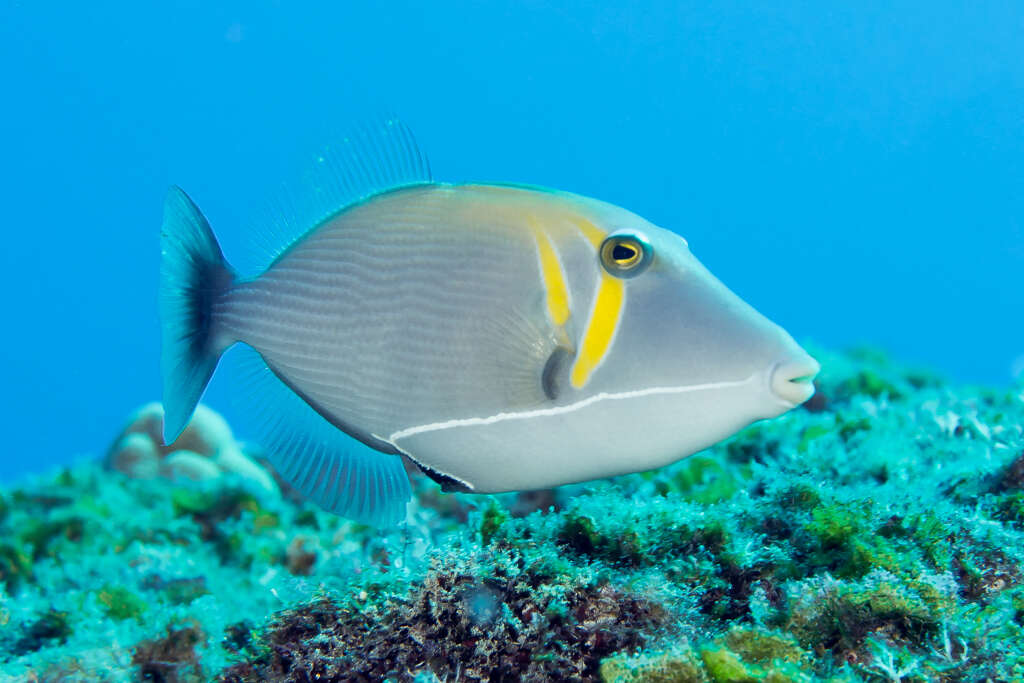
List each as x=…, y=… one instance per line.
x=626, y=255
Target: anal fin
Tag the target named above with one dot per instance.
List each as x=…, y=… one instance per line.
x=337, y=472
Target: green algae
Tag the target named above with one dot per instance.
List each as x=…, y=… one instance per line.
x=874, y=535
x=765, y=648
x=724, y=666
x=581, y=534
x=120, y=603
x=840, y=616
x=675, y=667
x=742, y=655
x=15, y=567
x=705, y=479
x=1010, y=508
x=48, y=538
x=494, y=515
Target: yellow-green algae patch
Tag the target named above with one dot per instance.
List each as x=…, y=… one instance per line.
x=741, y=655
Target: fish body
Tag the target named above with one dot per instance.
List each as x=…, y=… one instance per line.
x=502, y=337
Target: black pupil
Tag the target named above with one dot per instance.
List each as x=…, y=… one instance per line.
x=623, y=252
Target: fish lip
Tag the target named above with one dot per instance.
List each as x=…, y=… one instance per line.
x=792, y=380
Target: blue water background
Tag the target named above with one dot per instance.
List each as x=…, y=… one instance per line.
x=852, y=169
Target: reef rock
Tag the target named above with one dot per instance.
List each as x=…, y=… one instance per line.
x=206, y=450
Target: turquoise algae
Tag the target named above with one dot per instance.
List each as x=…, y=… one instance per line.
x=875, y=534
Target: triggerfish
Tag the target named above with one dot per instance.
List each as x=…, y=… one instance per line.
x=501, y=337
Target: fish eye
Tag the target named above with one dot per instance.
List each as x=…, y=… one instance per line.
x=626, y=255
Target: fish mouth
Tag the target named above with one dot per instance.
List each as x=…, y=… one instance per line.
x=792, y=381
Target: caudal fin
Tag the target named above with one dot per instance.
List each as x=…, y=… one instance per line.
x=193, y=275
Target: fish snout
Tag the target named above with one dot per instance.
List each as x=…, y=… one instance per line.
x=792, y=380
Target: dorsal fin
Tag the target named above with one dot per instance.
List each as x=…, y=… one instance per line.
x=368, y=160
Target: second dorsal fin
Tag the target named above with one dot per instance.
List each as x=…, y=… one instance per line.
x=370, y=159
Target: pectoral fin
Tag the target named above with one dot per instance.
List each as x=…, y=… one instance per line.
x=530, y=358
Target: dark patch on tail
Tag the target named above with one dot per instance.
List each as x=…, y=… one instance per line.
x=193, y=275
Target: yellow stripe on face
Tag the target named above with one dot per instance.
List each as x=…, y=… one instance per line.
x=593, y=234
x=604, y=320
x=604, y=317
x=554, y=278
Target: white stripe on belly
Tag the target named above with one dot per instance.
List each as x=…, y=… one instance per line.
x=559, y=410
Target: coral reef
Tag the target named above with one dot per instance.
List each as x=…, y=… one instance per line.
x=205, y=450
x=875, y=535
x=481, y=623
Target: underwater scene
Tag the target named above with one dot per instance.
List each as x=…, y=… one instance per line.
x=512, y=341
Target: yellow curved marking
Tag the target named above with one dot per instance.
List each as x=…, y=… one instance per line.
x=551, y=273
x=593, y=233
x=604, y=316
x=604, y=320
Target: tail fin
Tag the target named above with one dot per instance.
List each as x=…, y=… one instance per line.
x=193, y=274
